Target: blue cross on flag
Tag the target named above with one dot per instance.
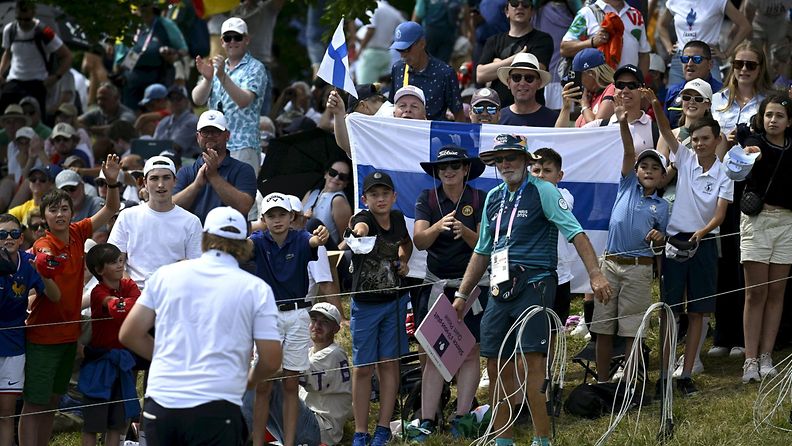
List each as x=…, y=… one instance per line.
x=334, y=68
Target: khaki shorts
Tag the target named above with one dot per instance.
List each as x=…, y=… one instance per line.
x=623, y=313
x=767, y=237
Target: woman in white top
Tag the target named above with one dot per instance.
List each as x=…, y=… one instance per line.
x=745, y=87
x=329, y=204
x=697, y=20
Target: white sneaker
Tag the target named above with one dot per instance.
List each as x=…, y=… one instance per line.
x=737, y=352
x=484, y=382
x=619, y=374
x=698, y=367
x=751, y=371
x=766, y=369
x=716, y=351
x=581, y=330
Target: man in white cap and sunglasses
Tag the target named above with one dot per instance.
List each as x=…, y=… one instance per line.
x=207, y=313
x=525, y=77
x=235, y=86
x=518, y=240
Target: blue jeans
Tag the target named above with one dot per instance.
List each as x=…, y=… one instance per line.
x=308, y=432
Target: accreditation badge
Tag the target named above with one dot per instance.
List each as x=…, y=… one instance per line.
x=499, y=266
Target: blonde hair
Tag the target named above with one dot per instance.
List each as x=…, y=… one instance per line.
x=242, y=250
x=603, y=75
x=762, y=84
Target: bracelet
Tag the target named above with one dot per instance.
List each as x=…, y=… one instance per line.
x=585, y=108
x=461, y=295
x=115, y=185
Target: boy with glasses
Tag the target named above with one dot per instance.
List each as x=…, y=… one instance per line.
x=485, y=106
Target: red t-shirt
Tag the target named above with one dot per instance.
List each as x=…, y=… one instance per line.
x=104, y=333
x=70, y=284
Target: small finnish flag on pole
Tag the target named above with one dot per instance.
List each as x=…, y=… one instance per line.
x=334, y=68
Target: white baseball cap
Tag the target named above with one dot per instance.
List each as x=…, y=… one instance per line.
x=212, y=118
x=295, y=203
x=737, y=164
x=275, y=200
x=159, y=162
x=409, y=90
x=234, y=24
x=25, y=132
x=699, y=86
x=327, y=310
x=226, y=222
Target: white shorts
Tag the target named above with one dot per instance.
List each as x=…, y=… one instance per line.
x=12, y=374
x=295, y=339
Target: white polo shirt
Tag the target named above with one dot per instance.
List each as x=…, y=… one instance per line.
x=640, y=129
x=208, y=312
x=586, y=25
x=697, y=193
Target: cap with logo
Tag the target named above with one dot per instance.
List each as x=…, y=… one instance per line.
x=226, y=222
x=67, y=178
x=212, y=118
x=737, y=164
x=450, y=153
x=275, y=200
x=503, y=143
x=377, y=178
x=485, y=95
x=409, y=90
x=159, y=162
x=63, y=129
x=587, y=59
x=654, y=154
x=700, y=86
x=327, y=310
x=406, y=34
x=235, y=25
x=629, y=69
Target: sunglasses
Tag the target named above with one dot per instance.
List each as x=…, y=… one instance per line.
x=480, y=109
x=687, y=97
x=516, y=3
x=621, y=85
x=405, y=50
x=235, y=37
x=14, y=233
x=59, y=139
x=69, y=189
x=516, y=77
x=508, y=158
x=334, y=173
x=37, y=179
x=696, y=59
x=38, y=226
x=453, y=166
x=210, y=132
x=747, y=64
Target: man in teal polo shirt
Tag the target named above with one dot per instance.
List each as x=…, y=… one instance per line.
x=518, y=239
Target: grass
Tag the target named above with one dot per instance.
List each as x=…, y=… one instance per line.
x=720, y=414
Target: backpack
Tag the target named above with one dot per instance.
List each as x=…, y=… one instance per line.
x=595, y=400
x=565, y=64
x=39, y=39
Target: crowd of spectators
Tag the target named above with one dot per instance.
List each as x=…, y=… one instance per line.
x=145, y=165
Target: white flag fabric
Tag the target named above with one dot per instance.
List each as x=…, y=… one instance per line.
x=592, y=160
x=334, y=68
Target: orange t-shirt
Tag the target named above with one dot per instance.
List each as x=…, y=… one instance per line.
x=70, y=283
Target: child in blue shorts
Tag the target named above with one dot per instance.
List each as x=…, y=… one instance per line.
x=377, y=317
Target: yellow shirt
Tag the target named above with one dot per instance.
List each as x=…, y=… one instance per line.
x=21, y=212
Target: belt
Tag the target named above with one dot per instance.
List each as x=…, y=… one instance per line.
x=621, y=260
x=293, y=305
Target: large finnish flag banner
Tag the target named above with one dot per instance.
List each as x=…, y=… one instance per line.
x=592, y=160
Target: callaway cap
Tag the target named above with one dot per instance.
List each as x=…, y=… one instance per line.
x=275, y=200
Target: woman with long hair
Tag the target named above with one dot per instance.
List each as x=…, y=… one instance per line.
x=766, y=238
x=329, y=203
x=597, y=81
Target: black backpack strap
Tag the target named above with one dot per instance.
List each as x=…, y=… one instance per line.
x=655, y=134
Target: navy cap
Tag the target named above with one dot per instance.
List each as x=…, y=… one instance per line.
x=587, y=59
x=406, y=35
x=631, y=69
x=377, y=178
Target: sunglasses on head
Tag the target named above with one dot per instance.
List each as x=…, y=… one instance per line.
x=688, y=97
x=235, y=37
x=516, y=3
x=508, y=158
x=456, y=165
x=334, y=173
x=632, y=85
x=14, y=233
x=517, y=77
x=480, y=109
x=696, y=59
x=747, y=64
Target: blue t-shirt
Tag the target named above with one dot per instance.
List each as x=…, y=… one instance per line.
x=238, y=174
x=14, y=289
x=633, y=216
x=284, y=268
x=541, y=213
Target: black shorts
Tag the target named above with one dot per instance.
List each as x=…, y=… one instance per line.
x=104, y=417
x=563, y=300
x=217, y=423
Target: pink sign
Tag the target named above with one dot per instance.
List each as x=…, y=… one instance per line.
x=445, y=339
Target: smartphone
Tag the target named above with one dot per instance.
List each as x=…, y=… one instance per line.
x=575, y=77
